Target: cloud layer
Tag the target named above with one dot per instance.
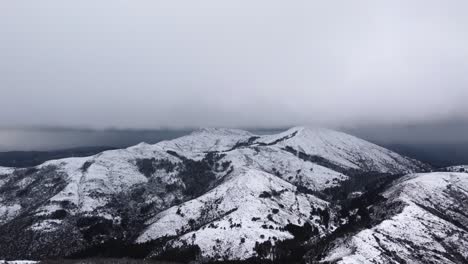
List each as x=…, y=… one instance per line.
x=150, y=64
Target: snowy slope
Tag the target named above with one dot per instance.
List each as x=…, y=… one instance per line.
x=235, y=211
x=430, y=227
x=4, y=172
x=344, y=150
x=18, y=262
x=285, y=165
x=205, y=140
x=134, y=193
x=114, y=171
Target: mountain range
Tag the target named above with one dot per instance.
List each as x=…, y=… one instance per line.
x=305, y=195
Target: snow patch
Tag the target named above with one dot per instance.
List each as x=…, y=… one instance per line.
x=8, y=212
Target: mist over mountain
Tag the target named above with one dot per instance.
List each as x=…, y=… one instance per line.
x=299, y=196
x=234, y=132
x=195, y=183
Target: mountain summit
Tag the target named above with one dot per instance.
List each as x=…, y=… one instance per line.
x=217, y=193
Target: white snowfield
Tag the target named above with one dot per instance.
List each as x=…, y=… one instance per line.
x=204, y=140
x=344, y=150
x=432, y=225
x=6, y=170
x=234, y=212
x=221, y=218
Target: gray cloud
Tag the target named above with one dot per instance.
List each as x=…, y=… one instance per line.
x=232, y=63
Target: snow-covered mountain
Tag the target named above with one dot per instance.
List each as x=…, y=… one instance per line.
x=423, y=220
x=226, y=222
x=228, y=192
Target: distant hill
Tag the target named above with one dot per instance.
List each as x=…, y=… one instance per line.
x=22, y=159
x=438, y=150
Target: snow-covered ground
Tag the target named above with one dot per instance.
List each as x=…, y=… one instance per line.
x=18, y=262
x=344, y=150
x=114, y=171
x=235, y=211
x=431, y=228
x=4, y=172
x=247, y=167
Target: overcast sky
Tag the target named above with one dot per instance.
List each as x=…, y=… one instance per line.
x=150, y=64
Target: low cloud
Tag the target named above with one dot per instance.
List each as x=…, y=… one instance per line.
x=238, y=63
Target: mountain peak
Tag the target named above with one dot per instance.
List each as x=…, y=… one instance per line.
x=215, y=188
x=341, y=149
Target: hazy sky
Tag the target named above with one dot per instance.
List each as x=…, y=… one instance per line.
x=149, y=64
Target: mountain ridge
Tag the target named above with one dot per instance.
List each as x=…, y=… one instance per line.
x=123, y=194
x=426, y=224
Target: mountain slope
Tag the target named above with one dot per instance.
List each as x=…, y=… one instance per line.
x=214, y=177
x=427, y=223
x=344, y=150
x=248, y=208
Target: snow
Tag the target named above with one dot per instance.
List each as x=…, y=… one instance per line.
x=4, y=173
x=429, y=188
x=224, y=216
x=344, y=150
x=288, y=166
x=8, y=212
x=423, y=228
x=114, y=171
x=206, y=139
x=110, y=172
x=47, y=225
x=6, y=170
x=416, y=227
x=18, y=262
